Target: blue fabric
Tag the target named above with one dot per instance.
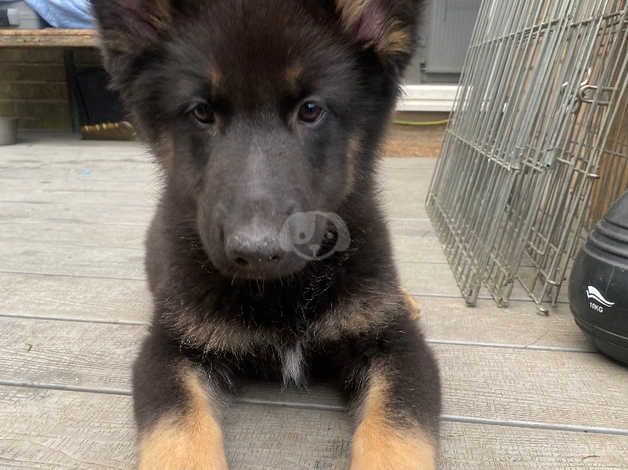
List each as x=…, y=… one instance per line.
x=75, y=14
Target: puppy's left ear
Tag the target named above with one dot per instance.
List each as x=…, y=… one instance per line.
x=389, y=27
x=127, y=28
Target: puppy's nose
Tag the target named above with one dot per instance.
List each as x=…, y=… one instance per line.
x=254, y=248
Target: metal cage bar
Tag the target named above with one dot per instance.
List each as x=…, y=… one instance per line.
x=537, y=132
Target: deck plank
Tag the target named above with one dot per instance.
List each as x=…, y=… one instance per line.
x=420, y=259
x=402, y=191
x=91, y=260
x=418, y=244
x=74, y=307
x=569, y=388
x=449, y=319
x=59, y=429
x=420, y=247
x=89, y=299
x=12, y=212
x=444, y=319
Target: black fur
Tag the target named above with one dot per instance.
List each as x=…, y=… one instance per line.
x=255, y=62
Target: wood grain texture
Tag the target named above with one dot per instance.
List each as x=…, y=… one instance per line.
x=89, y=299
x=38, y=258
x=48, y=37
x=435, y=279
x=72, y=222
x=81, y=241
x=74, y=430
x=71, y=170
x=443, y=319
x=15, y=212
x=504, y=384
x=411, y=245
x=89, y=259
x=449, y=319
x=103, y=236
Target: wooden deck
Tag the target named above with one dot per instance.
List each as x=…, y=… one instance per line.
x=521, y=391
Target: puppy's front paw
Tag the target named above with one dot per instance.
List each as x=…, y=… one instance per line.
x=388, y=449
x=187, y=438
x=194, y=443
x=381, y=443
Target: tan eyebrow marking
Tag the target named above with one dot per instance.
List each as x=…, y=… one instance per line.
x=292, y=75
x=214, y=75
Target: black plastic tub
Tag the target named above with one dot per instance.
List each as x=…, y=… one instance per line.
x=598, y=288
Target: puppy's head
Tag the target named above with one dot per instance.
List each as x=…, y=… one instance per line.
x=259, y=110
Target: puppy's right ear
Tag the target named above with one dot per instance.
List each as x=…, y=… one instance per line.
x=389, y=27
x=127, y=28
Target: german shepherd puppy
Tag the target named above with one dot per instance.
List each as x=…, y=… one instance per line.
x=268, y=254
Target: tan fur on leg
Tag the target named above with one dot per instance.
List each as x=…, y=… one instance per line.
x=379, y=445
x=413, y=306
x=189, y=441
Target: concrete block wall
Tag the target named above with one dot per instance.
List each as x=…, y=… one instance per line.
x=33, y=86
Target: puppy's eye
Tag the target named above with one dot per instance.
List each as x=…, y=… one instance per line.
x=310, y=112
x=203, y=113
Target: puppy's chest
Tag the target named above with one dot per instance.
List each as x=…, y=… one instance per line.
x=292, y=364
